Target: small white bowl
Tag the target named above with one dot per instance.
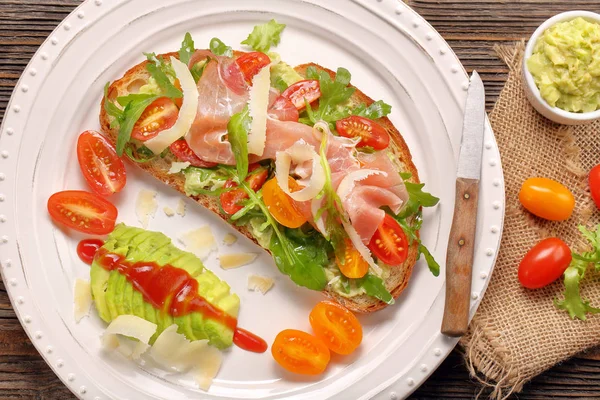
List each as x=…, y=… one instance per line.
x=532, y=92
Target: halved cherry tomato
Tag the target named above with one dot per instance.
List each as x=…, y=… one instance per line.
x=300, y=352
x=354, y=265
x=100, y=165
x=370, y=132
x=547, y=199
x=389, y=243
x=83, y=211
x=281, y=206
x=544, y=263
x=230, y=200
x=284, y=110
x=251, y=63
x=178, y=102
x=184, y=153
x=308, y=89
x=594, y=181
x=337, y=327
x=158, y=116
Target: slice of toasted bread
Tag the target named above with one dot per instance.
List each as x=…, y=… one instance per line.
x=398, y=277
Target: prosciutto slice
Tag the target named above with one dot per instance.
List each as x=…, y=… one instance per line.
x=223, y=93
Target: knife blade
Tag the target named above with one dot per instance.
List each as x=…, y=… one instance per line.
x=461, y=243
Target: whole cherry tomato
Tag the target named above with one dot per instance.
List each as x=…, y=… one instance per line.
x=547, y=199
x=544, y=263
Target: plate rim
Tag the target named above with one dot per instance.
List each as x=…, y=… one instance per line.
x=395, y=10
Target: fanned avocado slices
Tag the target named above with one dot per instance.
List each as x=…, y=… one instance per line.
x=114, y=295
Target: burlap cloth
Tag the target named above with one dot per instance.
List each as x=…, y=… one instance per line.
x=518, y=333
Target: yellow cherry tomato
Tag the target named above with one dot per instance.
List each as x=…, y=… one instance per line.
x=547, y=199
x=281, y=206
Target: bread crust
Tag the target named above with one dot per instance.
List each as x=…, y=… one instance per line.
x=398, y=277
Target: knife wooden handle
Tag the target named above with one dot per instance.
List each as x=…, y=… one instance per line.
x=459, y=258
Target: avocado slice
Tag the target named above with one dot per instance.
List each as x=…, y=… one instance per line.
x=115, y=295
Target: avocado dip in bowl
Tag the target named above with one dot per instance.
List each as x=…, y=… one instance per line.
x=561, y=68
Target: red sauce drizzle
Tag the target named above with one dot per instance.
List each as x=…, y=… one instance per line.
x=249, y=341
x=174, y=291
x=87, y=248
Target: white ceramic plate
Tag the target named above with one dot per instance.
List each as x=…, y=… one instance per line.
x=393, y=55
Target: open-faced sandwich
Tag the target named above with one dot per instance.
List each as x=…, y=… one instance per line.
x=295, y=158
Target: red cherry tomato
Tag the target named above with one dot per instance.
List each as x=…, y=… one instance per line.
x=308, y=89
x=100, y=165
x=157, y=117
x=184, y=153
x=389, y=243
x=251, y=63
x=544, y=263
x=83, y=211
x=230, y=200
x=594, y=181
x=284, y=110
x=370, y=132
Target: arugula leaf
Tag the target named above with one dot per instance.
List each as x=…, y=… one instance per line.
x=219, y=48
x=411, y=234
x=334, y=93
x=132, y=111
x=264, y=36
x=301, y=257
x=237, y=133
x=376, y=110
x=574, y=274
x=374, y=287
x=146, y=153
x=168, y=89
x=416, y=198
x=160, y=63
x=187, y=49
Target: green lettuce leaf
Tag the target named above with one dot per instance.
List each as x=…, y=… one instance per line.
x=237, y=133
x=207, y=181
x=187, y=49
x=264, y=36
x=375, y=287
x=219, y=48
x=574, y=274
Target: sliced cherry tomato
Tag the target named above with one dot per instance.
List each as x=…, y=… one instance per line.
x=284, y=110
x=184, y=153
x=547, y=199
x=230, y=201
x=100, y=165
x=337, y=327
x=370, y=132
x=251, y=63
x=594, y=181
x=158, y=116
x=281, y=206
x=300, y=352
x=308, y=89
x=178, y=102
x=544, y=263
x=389, y=243
x=83, y=211
x=354, y=265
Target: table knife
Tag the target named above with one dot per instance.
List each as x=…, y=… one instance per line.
x=461, y=243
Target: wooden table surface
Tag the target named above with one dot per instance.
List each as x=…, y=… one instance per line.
x=472, y=27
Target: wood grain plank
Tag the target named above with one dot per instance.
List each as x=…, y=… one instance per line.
x=471, y=27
